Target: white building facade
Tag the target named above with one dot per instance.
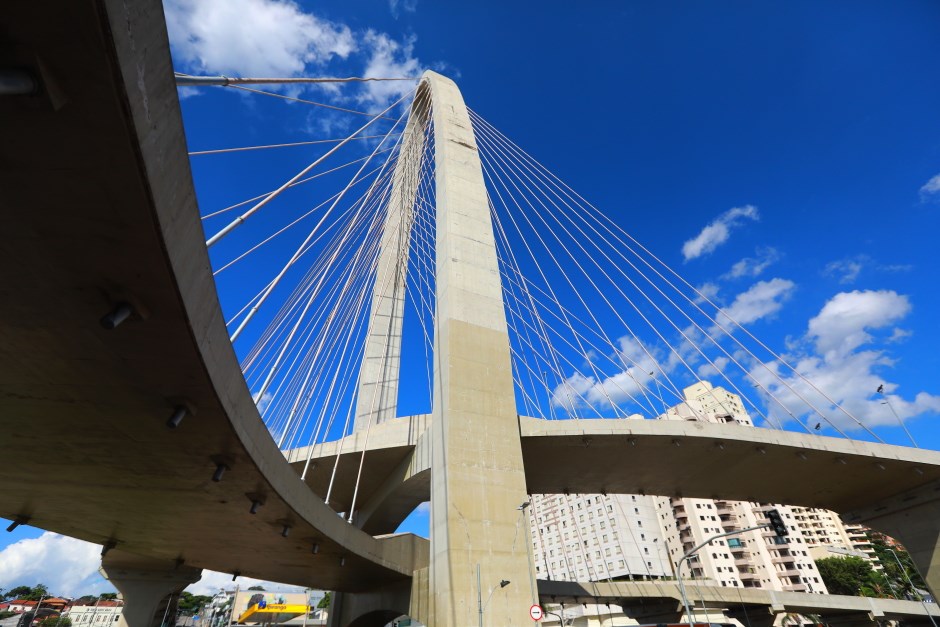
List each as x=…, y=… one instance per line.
x=599, y=537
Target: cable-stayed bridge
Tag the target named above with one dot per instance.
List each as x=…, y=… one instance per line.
x=266, y=438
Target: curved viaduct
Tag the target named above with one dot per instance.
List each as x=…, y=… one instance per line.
x=99, y=210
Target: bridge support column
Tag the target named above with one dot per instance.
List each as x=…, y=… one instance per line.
x=913, y=519
x=145, y=585
x=478, y=486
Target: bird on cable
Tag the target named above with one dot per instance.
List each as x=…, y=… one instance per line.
x=818, y=425
x=881, y=389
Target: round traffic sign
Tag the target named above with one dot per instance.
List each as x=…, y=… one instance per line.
x=536, y=613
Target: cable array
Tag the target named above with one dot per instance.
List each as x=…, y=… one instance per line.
x=599, y=326
x=602, y=328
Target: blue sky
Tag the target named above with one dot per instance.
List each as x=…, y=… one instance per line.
x=785, y=155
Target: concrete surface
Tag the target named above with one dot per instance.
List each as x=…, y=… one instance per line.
x=98, y=193
x=640, y=597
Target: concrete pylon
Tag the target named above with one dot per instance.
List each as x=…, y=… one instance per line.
x=377, y=399
x=144, y=583
x=479, y=528
x=477, y=477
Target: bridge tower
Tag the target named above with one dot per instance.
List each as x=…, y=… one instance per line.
x=479, y=526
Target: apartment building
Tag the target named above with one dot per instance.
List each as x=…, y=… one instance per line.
x=753, y=559
x=594, y=537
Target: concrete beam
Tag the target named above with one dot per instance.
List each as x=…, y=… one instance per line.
x=98, y=189
x=703, y=460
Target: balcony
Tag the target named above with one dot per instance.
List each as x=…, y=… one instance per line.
x=745, y=576
x=796, y=587
x=790, y=572
x=783, y=559
x=742, y=561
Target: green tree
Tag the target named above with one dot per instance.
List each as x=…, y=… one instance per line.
x=18, y=592
x=852, y=576
x=56, y=621
x=899, y=577
x=324, y=602
x=37, y=592
x=259, y=588
x=190, y=603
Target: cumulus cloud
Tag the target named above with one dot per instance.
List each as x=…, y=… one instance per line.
x=277, y=38
x=69, y=567
x=762, y=299
x=597, y=392
x=718, y=231
x=65, y=565
x=845, y=365
x=706, y=291
x=388, y=58
x=931, y=189
x=843, y=323
x=754, y=266
x=253, y=37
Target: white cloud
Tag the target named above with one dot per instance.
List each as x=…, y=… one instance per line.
x=632, y=383
x=707, y=291
x=718, y=231
x=212, y=581
x=67, y=566
x=717, y=368
x=762, y=299
x=397, y=6
x=931, y=189
x=843, y=323
x=754, y=266
x=842, y=373
x=253, y=37
x=277, y=38
x=391, y=59
x=848, y=270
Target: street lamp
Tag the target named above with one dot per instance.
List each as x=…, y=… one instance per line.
x=561, y=617
x=689, y=554
x=480, y=604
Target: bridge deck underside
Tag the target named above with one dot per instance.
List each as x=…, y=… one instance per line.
x=99, y=208
x=668, y=458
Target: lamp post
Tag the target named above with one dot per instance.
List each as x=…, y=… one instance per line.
x=911, y=584
x=561, y=618
x=480, y=604
x=528, y=538
x=689, y=554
